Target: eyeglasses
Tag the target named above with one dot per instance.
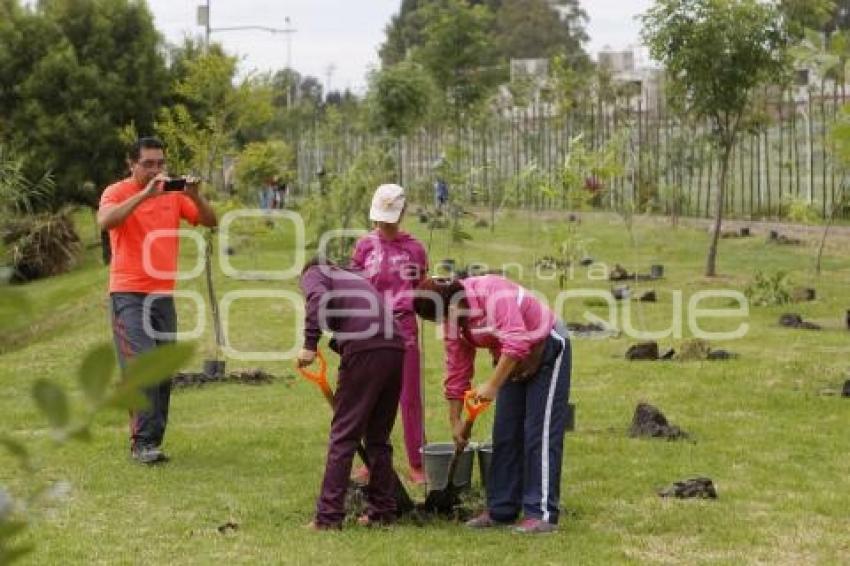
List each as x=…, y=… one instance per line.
x=151, y=163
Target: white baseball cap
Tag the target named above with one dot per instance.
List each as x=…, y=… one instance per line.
x=387, y=204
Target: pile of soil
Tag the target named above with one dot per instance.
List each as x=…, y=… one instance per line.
x=591, y=330
x=468, y=504
x=619, y=273
x=743, y=232
x=776, y=238
x=691, y=350
x=650, y=422
x=551, y=263
x=648, y=297
x=793, y=320
x=183, y=380
x=702, y=488
x=644, y=351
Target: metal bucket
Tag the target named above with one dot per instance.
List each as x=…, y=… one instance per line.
x=436, y=458
x=485, y=458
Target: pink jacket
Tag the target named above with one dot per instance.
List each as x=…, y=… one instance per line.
x=503, y=317
x=394, y=267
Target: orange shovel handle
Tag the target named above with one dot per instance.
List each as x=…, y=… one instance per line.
x=473, y=407
x=320, y=378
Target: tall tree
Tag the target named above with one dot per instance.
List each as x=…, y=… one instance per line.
x=520, y=29
x=717, y=54
x=529, y=29
x=74, y=75
x=458, y=53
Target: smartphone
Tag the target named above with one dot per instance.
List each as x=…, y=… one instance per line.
x=177, y=184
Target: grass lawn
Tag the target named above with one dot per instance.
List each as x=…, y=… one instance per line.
x=776, y=447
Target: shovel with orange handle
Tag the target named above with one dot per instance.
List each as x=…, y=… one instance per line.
x=404, y=504
x=443, y=500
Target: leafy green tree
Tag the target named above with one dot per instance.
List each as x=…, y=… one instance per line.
x=521, y=28
x=213, y=114
x=717, y=54
x=74, y=74
x=532, y=29
x=801, y=15
x=261, y=161
x=458, y=53
x=400, y=97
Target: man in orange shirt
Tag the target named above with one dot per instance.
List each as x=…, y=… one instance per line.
x=142, y=218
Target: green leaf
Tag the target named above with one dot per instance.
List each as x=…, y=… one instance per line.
x=82, y=433
x=16, y=449
x=11, y=555
x=52, y=401
x=129, y=399
x=8, y=529
x=96, y=371
x=151, y=368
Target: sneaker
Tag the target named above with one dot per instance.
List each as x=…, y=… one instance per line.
x=417, y=476
x=361, y=475
x=485, y=521
x=533, y=526
x=148, y=455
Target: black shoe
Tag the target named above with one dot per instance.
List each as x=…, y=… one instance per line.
x=148, y=455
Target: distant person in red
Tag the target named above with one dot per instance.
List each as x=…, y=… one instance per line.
x=141, y=281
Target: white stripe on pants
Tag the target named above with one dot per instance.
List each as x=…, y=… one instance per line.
x=544, y=449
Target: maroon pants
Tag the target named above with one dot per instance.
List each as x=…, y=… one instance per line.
x=365, y=406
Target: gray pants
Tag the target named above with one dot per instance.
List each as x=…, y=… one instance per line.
x=147, y=427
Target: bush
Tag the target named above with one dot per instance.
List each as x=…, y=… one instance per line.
x=767, y=290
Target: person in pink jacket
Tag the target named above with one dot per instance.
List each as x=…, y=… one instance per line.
x=530, y=383
x=395, y=263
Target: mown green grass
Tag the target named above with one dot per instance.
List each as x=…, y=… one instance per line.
x=775, y=446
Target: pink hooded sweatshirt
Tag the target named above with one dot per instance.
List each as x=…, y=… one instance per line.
x=394, y=267
x=503, y=317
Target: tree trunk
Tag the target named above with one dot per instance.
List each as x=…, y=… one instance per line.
x=711, y=261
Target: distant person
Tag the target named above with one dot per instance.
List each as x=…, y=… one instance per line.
x=141, y=292
x=266, y=195
x=280, y=190
x=368, y=387
x=395, y=263
x=441, y=194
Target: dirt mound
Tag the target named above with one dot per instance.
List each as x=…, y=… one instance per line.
x=469, y=503
x=650, y=422
x=255, y=376
x=702, y=488
x=645, y=351
x=793, y=320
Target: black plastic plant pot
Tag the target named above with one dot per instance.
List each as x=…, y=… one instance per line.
x=656, y=271
x=214, y=368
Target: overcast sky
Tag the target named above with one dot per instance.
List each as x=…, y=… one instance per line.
x=342, y=33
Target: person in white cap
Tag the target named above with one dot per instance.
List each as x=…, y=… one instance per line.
x=395, y=262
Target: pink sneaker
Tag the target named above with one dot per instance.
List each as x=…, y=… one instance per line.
x=360, y=475
x=532, y=526
x=484, y=521
x=417, y=476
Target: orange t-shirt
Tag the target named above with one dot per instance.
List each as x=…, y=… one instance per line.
x=127, y=271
